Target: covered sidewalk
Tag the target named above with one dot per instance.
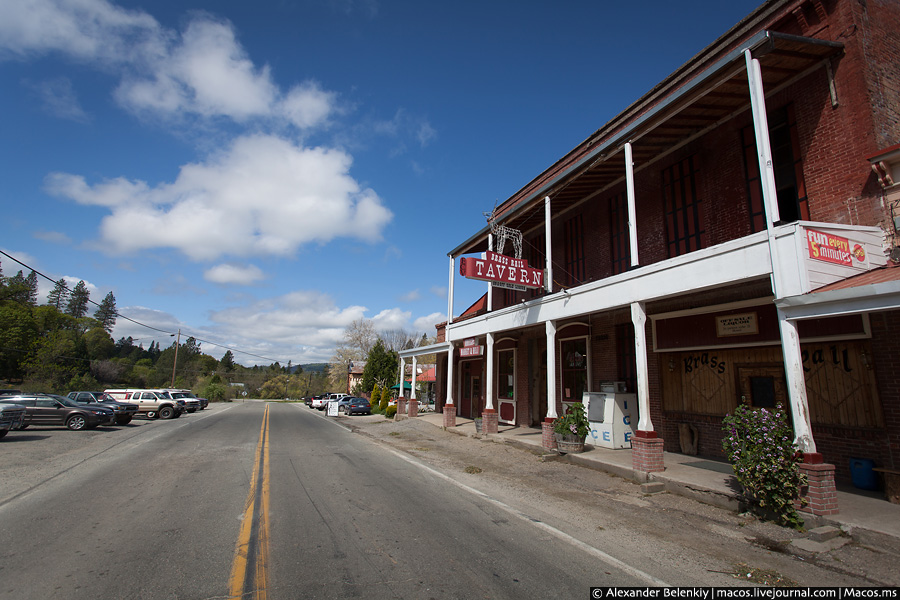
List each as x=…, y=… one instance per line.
x=865, y=516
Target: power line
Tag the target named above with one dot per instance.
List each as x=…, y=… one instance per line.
x=118, y=314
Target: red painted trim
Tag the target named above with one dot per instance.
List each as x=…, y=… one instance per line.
x=645, y=434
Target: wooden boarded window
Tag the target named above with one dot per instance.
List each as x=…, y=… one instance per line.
x=683, y=208
x=574, y=369
x=618, y=233
x=789, y=182
x=574, y=251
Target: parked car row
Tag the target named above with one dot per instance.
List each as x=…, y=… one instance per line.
x=349, y=405
x=86, y=410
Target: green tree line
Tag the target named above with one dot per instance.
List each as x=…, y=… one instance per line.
x=58, y=347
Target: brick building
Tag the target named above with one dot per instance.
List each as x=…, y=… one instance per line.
x=726, y=238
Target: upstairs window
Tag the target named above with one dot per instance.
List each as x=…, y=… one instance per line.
x=789, y=183
x=573, y=236
x=618, y=233
x=534, y=254
x=683, y=208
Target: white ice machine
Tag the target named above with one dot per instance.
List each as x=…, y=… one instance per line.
x=609, y=415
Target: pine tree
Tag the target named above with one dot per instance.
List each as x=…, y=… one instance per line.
x=227, y=362
x=31, y=289
x=78, y=301
x=59, y=295
x=106, y=313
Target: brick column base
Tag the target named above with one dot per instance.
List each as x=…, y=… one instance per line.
x=489, y=421
x=820, y=492
x=449, y=415
x=412, y=408
x=647, y=452
x=401, y=405
x=548, y=438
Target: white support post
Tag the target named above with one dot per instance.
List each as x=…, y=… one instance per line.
x=450, y=292
x=550, y=327
x=639, y=319
x=402, y=369
x=796, y=383
x=450, y=375
x=490, y=290
x=761, y=129
x=548, y=248
x=632, y=211
x=412, y=395
x=489, y=379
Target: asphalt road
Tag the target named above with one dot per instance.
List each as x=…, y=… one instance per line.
x=155, y=510
x=277, y=501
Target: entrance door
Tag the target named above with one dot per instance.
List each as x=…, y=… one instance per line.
x=470, y=389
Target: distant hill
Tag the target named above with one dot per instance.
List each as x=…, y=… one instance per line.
x=314, y=367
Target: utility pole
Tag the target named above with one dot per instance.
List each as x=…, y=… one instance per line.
x=174, y=364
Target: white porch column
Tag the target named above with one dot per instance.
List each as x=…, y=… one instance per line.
x=450, y=375
x=490, y=290
x=450, y=293
x=548, y=248
x=761, y=129
x=412, y=395
x=796, y=383
x=489, y=379
x=632, y=218
x=402, y=368
x=551, y=369
x=639, y=319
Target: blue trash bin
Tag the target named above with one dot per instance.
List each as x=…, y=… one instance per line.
x=862, y=474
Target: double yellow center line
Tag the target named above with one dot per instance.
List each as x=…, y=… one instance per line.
x=248, y=571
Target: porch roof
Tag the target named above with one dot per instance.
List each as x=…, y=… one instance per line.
x=872, y=291
x=680, y=109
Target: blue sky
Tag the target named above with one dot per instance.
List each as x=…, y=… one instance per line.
x=261, y=174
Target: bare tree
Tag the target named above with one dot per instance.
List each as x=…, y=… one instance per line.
x=398, y=339
x=360, y=335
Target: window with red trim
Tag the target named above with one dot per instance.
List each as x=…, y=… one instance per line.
x=574, y=251
x=685, y=222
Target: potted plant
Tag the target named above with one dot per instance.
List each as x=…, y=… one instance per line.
x=571, y=429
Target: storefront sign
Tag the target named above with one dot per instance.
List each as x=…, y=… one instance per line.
x=743, y=324
x=835, y=249
x=471, y=351
x=470, y=342
x=501, y=269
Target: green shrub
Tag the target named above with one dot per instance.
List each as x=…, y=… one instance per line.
x=759, y=445
x=390, y=412
x=385, y=398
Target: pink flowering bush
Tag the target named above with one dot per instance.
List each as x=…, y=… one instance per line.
x=574, y=422
x=759, y=445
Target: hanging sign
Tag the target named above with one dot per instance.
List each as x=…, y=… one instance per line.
x=471, y=351
x=501, y=270
x=835, y=249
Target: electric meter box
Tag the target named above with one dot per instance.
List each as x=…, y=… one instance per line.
x=609, y=415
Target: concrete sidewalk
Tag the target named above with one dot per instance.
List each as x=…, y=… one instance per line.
x=865, y=516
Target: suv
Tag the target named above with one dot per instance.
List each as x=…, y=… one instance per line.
x=48, y=409
x=151, y=403
x=12, y=416
x=124, y=411
x=191, y=402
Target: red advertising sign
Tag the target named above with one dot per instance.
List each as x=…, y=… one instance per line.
x=502, y=269
x=471, y=351
x=834, y=249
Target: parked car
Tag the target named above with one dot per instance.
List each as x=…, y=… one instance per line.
x=359, y=406
x=191, y=402
x=151, y=402
x=320, y=402
x=12, y=416
x=44, y=410
x=343, y=403
x=124, y=411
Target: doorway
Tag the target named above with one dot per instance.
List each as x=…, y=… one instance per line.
x=470, y=389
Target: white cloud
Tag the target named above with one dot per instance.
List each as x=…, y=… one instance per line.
x=58, y=98
x=427, y=323
x=263, y=196
x=234, y=274
x=410, y=296
x=439, y=291
x=391, y=318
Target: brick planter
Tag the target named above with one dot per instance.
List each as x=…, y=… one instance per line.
x=490, y=421
x=548, y=438
x=820, y=493
x=647, y=452
x=449, y=415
